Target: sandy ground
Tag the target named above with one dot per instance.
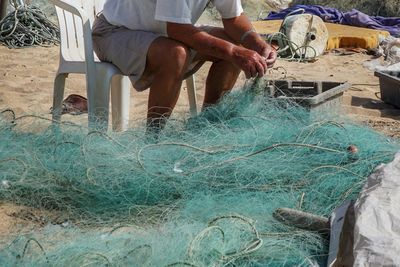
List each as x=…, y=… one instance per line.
x=26, y=82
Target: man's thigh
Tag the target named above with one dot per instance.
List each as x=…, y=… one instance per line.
x=125, y=48
x=160, y=47
x=160, y=56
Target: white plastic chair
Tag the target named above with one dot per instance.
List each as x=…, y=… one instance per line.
x=76, y=56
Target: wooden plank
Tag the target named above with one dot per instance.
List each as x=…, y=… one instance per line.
x=302, y=220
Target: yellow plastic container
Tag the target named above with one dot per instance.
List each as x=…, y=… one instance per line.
x=340, y=36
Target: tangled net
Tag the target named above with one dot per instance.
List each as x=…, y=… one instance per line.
x=28, y=26
x=201, y=194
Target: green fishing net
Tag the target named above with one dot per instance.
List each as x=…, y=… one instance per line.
x=202, y=193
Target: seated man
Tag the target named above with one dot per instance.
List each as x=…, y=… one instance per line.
x=157, y=44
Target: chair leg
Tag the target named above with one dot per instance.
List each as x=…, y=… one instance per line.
x=120, y=102
x=58, y=95
x=98, y=104
x=191, y=89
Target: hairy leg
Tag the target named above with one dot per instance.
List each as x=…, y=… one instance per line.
x=167, y=60
x=221, y=78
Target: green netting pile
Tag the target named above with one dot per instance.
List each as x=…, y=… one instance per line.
x=202, y=193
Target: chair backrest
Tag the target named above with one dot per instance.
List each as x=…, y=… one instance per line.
x=71, y=31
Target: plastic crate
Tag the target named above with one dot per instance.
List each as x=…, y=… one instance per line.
x=313, y=95
x=390, y=86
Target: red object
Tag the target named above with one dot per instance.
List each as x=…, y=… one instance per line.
x=352, y=149
x=74, y=105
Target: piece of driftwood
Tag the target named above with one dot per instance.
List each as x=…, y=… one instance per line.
x=303, y=220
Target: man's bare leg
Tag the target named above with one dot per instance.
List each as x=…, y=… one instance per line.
x=167, y=60
x=221, y=78
x=222, y=75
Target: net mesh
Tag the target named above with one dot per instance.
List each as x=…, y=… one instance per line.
x=202, y=193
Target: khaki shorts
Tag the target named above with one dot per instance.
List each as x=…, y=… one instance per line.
x=127, y=49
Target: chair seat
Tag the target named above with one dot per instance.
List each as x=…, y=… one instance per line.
x=80, y=67
x=76, y=55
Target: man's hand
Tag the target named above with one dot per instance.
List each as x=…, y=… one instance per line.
x=251, y=62
x=269, y=53
x=237, y=29
x=254, y=57
x=254, y=63
x=256, y=43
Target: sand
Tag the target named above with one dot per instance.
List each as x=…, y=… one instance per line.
x=27, y=75
x=26, y=86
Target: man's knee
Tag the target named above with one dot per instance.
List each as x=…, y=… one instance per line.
x=176, y=58
x=167, y=55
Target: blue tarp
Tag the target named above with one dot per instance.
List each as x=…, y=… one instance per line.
x=352, y=18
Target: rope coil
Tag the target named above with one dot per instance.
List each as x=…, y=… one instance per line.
x=28, y=26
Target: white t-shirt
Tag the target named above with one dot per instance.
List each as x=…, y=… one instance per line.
x=152, y=15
